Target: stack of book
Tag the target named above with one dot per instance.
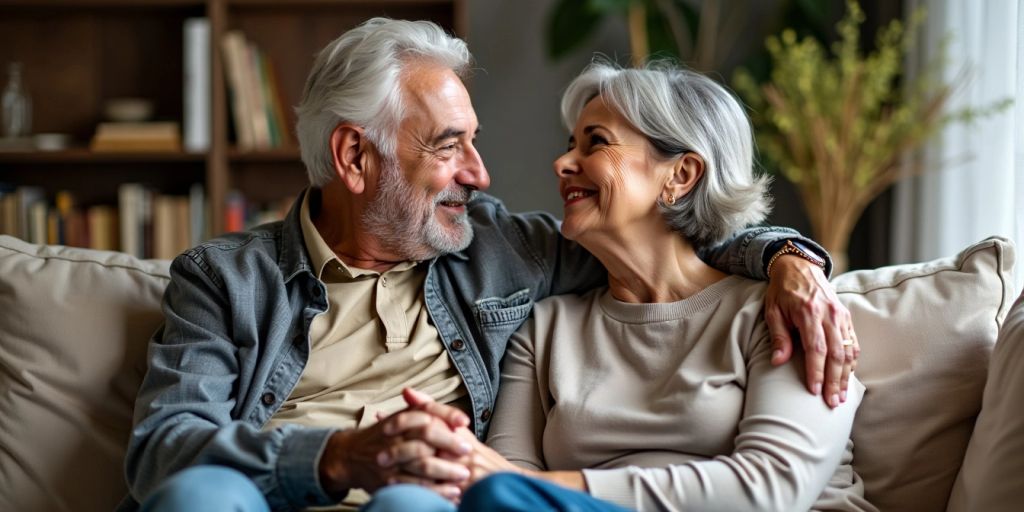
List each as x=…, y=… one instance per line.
x=25, y=214
x=137, y=137
x=257, y=106
x=145, y=224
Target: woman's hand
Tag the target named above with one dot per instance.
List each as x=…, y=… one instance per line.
x=800, y=297
x=477, y=458
x=481, y=461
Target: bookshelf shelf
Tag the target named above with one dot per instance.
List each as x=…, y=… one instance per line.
x=79, y=54
x=281, y=155
x=84, y=156
x=138, y=4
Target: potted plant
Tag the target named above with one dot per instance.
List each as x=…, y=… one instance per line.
x=839, y=124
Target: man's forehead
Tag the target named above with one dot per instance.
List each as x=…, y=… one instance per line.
x=434, y=94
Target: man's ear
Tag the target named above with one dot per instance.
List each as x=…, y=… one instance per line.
x=686, y=173
x=350, y=155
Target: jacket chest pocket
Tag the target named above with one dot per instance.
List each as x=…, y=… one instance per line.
x=502, y=315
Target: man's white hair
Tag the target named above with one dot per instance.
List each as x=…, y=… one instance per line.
x=680, y=111
x=356, y=79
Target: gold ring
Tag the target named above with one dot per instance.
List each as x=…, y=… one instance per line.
x=847, y=342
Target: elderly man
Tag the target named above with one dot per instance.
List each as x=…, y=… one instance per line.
x=284, y=345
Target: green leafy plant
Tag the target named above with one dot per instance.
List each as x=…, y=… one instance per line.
x=839, y=125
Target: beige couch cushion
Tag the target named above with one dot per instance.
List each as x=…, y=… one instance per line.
x=926, y=332
x=73, y=333
x=992, y=476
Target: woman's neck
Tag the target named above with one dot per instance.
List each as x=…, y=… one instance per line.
x=648, y=266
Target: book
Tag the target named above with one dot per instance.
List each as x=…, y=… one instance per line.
x=25, y=198
x=234, y=212
x=130, y=204
x=163, y=229
x=102, y=227
x=278, y=104
x=197, y=214
x=262, y=136
x=141, y=136
x=234, y=48
x=8, y=210
x=182, y=226
x=74, y=231
x=53, y=228
x=37, y=223
x=197, y=120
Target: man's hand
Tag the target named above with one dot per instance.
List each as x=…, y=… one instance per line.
x=800, y=297
x=408, y=440
x=481, y=460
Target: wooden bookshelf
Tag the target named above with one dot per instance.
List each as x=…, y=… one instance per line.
x=77, y=54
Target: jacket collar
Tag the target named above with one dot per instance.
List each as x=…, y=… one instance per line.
x=292, y=256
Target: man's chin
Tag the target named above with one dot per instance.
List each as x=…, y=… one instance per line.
x=448, y=239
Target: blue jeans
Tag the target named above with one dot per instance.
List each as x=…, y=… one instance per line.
x=503, y=492
x=206, y=489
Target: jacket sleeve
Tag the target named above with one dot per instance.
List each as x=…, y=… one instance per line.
x=186, y=407
x=566, y=266
x=746, y=253
x=788, y=445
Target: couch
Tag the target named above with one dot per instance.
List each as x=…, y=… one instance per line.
x=74, y=325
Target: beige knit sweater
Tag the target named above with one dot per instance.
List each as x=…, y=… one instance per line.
x=673, y=406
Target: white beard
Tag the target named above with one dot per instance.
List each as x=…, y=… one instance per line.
x=406, y=223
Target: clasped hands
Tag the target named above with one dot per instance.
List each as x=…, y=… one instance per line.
x=428, y=444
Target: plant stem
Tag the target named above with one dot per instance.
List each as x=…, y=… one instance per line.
x=638, y=32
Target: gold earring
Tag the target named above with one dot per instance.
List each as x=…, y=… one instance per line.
x=671, y=198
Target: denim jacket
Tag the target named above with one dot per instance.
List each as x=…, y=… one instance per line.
x=236, y=339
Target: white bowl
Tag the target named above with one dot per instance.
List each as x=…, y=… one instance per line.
x=128, y=109
x=51, y=141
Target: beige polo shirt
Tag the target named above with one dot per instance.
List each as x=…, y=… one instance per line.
x=373, y=340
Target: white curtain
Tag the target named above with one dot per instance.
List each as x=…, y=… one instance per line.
x=973, y=185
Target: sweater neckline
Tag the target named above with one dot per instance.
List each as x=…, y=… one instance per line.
x=642, y=313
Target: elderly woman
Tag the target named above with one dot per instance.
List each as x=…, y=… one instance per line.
x=657, y=392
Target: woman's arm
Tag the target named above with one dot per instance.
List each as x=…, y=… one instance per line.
x=517, y=426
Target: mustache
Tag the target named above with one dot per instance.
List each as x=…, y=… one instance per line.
x=455, y=194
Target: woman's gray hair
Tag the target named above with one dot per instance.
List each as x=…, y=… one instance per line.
x=356, y=79
x=681, y=111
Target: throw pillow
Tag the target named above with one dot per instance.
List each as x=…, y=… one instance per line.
x=926, y=332
x=73, y=336
x=992, y=477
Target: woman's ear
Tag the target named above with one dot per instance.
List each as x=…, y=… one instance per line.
x=349, y=154
x=686, y=172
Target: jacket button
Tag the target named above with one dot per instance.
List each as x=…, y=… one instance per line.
x=268, y=399
x=458, y=344
x=486, y=415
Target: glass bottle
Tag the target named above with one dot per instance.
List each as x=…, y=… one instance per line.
x=17, y=106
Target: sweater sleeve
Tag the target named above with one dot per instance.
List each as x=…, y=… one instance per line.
x=788, y=445
x=517, y=427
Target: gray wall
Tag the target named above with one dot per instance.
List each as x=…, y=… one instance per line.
x=516, y=91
